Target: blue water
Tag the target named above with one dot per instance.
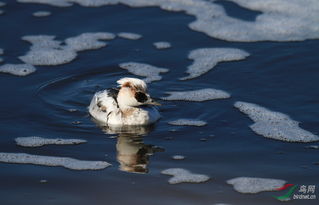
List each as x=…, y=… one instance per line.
x=280, y=76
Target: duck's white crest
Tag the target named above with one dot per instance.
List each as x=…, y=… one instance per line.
x=128, y=105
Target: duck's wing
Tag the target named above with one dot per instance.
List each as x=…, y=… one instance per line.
x=103, y=104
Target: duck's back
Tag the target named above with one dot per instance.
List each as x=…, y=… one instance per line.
x=103, y=104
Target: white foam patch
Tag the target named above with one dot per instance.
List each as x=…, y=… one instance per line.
x=1, y=12
x=40, y=141
x=162, y=45
x=2, y=4
x=41, y=13
x=207, y=58
x=188, y=122
x=67, y=3
x=88, y=41
x=285, y=20
x=130, y=36
x=275, y=125
x=151, y=73
x=17, y=69
x=178, y=157
x=313, y=147
x=45, y=50
x=1, y=53
x=197, y=95
x=49, y=56
x=252, y=185
x=184, y=176
x=70, y=163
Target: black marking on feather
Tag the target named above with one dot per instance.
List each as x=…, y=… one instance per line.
x=99, y=104
x=107, y=117
x=140, y=97
x=113, y=92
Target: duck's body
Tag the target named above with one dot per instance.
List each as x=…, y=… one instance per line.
x=129, y=105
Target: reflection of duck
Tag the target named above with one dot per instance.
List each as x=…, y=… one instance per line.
x=133, y=154
x=129, y=105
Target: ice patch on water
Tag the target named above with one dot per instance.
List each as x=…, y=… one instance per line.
x=70, y=163
x=178, y=157
x=252, y=185
x=207, y=58
x=17, y=69
x=47, y=51
x=88, y=41
x=130, y=36
x=40, y=141
x=275, y=125
x=285, y=20
x=162, y=45
x=197, y=95
x=41, y=13
x=151, y=73
x=182, y=175
x=188, y=122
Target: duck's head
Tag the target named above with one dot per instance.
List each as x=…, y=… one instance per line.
x=133, y=93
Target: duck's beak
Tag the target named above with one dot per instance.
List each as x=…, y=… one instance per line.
x=152, y=102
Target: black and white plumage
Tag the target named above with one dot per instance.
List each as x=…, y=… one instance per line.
x=130, y=104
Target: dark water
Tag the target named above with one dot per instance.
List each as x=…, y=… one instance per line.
x=280, y=76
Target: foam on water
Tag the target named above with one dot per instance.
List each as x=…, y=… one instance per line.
x=151, y=73
x=178, y=157
x=275, y=125
x=47, y=51
x=17, y=69
x=1, y=11
x=188, y=122
x=285, y=20
x=197, y=95
x=88, y=41
x=182, y=176
x=39, y=141
x=252, y=185
x=1, y=53
x=70, y=163
x=313, y=147
x=41, y=13
x=130, y=36
x=162, y=45
x=207, y=58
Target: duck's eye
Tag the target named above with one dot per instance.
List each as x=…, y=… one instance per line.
x=140, y=97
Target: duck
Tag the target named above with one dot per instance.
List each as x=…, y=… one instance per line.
x=128, y=104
